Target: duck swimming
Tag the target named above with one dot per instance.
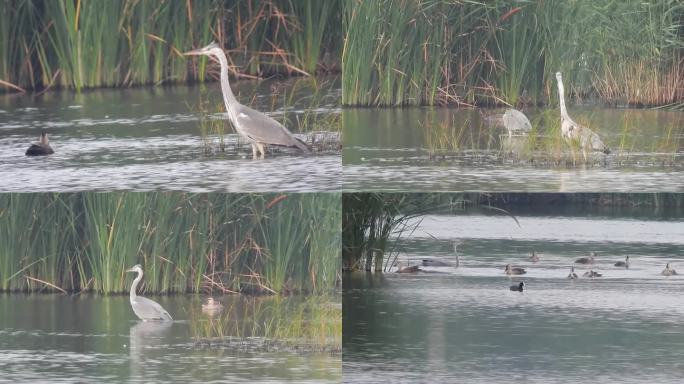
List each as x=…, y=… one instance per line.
x=212, y=306
x=534, y=258
x=624, y=264
x=572, y=274
x=592, y=274
x=42, y=148
x=586, y=260
x=668, y=271
x=514, y=270
x=411, y=269
x=517, y=288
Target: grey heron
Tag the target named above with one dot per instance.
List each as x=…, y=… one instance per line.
x=440, y=263
x=516, y=122
x=518, y=288
x=624, y=264
x=253, y=125
x=573, y=132
x=572, y=274
x=668, y=271
x=145, y=308
x=514, y=270
x=42, y=148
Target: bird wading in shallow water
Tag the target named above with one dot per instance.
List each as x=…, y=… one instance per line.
x=143, y=307
x=259, y=129
x=575, y=133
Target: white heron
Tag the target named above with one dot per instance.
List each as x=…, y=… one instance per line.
x=573, y=132
x=143, y=307
x=253, y=125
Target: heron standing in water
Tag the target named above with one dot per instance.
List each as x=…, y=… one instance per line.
x=253, y=125
x=573, y=132
x=516, y=122
x=143, y=307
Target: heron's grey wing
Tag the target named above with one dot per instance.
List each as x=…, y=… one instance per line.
x=515, y=120
x=264, y=129
x=147, y=309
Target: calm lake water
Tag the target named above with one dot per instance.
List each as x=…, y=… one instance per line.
x=95, y=339
x=389, y=150
x=465, y=325
x=150, y=139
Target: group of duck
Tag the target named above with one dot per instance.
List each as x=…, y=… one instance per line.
x=510, y=270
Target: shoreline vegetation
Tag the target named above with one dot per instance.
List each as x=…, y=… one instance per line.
x=372, y=222
x=484, y=53
x=80, y=44
x=265, y=244
x=389, y=52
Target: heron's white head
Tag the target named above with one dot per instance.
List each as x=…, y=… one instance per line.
x=559, y=77
x=212, y=49
x=135, y=268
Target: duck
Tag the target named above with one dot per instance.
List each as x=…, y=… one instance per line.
x=42, y=148
x=211, y=306
x=572, y=274
x=518, y=287
x=586, y=260
x=514, y=270
x=534, y=258
x=624, y=264
x=410, y=269
x=592, y=274
x=668, y=271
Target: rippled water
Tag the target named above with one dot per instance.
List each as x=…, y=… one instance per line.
x=465, y=325
x=56, y=338
x=150, y=139
x=389, y=149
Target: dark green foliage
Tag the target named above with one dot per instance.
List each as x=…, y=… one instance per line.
x=261, y=243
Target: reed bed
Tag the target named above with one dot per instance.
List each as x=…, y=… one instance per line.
x=310, y=324
x=401, y=52
x=81, y=44
x=252, y=243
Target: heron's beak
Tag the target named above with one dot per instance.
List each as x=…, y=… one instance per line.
x=194, y=52
x=129, y=270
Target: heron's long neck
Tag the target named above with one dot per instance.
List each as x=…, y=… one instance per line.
x=228, y=97
x=134, y=287
x=561, y=96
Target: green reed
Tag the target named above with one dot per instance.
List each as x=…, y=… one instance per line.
x=185, y=242
x=87, y=43
x=496, y=52
x=312, y=323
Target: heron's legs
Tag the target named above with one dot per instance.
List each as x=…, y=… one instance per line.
x=258, y=150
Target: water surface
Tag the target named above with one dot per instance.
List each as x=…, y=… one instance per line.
x=445, y=149
x=57, y=338
x=152, y=139
x=464, y=324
